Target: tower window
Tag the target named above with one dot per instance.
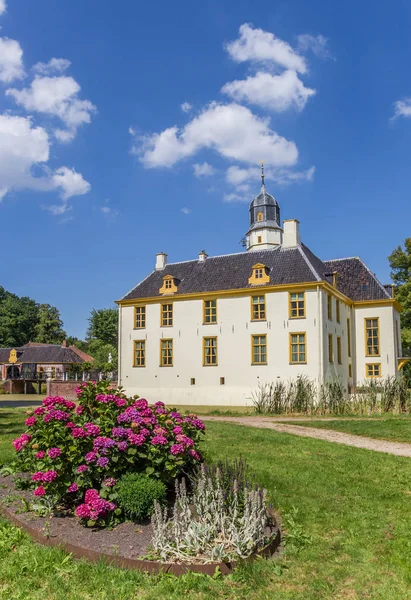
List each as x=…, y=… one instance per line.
x=169, y=285
x=259, y=239
x=193, y=381
x=372, y=337
x=259, y=275
x=260, y=216
x=222, y=380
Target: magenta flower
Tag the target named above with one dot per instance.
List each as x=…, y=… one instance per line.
x=194, y=454
x=82, y=468
x=102, y=462
x=40, y=410
x=122, y=446
x=22, y=441
x=158, y=440
x=38, y=476
x=40, y=454
x=30, y=421
x=54, y=452
x=136, y=439
x=79, y=410
x=83, y=511
x=109, y=482
x=177, y=430
x=92, y=429
x=49, y=476
x=78, y=432
x=141, y=404
x=40, y=491
x=177, y=449
x=91, y=457
x=73, y=487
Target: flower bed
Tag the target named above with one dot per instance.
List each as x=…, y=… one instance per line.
x=107, y=458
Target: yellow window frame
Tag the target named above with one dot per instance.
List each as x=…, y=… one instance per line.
x=258, y=309
x=210, y=358
x=166, y=315
x=139, y=360
x=330, y=306
x=209, y=311
x=296, y=305
x=139, y=317
x=166, y=352
x=371, y=336
x=330, y=348
x=338, y=310
x=295, y=348
x=339, y=356
x=373, y=370
x=349, y=336
x=258, y=342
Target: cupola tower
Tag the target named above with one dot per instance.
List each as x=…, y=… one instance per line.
x=265, y=224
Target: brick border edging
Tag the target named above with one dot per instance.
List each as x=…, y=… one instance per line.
x=226, y=568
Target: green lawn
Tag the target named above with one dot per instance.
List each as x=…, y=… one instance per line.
x=392, y=429
x=347, y=511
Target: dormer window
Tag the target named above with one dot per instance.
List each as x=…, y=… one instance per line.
x=259, y=275
x=169, y=285
x=260, y=216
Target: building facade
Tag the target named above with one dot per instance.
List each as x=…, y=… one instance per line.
x=207, y=331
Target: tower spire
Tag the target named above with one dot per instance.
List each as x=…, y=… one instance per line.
x=262, y=173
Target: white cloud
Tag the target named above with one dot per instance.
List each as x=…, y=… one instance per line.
x=231, y=130
x=402, y=108
x=2, y=6
x=24, y=148
x=186, y=107
x=57, y=209
x=318, y=44
x=11, y=60
x=108, y=211
x=262, y=46
x=56, y=96
x=276, y=92
x=186, y=211
x=55, y=65
x=203, y=169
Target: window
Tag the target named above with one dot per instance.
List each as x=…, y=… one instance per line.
x=259, y=275
x=259, y=240
x=192, y=381
x=330, y=306
x=209, y=351
x=297, y=305
x=349, y=336
x=298, y=353
x=330, y=348
x=338, y=310
x=258, y=308
x=166, y=315
x=222, y=380
x=397, y=338
x=350, y=370
x=166, y=353
x=259, y=349
x=260, y=216
x=139, y=353
x=168, y=284
x=139, y=317
x=210, y=311
x=373, y=370
x=372, y=337
x=339, y=350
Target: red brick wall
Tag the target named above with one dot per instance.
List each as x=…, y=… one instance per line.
x=67, y=389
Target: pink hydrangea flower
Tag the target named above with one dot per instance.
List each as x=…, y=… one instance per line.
x=194, y=454
x=54, y=452
x=40, y=491
x=102, y=461
x=78, y=432
x=40, y=454
x=92, y=429
x=91, y=457
x=30, y=421
x=177, y=430
x=73, y=487
x=177, y=449
x=159, y=440
x=82, y=468
x=40, y=410
x=109, y=482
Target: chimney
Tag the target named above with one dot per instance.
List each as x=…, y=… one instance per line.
x=291, y=235
x=64, y=344
x=161, y=261
x=202, y=256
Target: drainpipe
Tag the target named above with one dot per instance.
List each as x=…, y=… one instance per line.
x=320, y=335
x=119, y=345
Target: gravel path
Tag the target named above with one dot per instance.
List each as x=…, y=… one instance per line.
x=358, y=441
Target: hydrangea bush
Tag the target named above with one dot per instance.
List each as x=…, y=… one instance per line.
x=75, y=452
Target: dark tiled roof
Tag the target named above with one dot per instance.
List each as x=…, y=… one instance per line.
x=232, y=271
x=356, y=281
x=42, y=354
x=286, y=266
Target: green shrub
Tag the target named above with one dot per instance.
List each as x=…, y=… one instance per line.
x=137, y=493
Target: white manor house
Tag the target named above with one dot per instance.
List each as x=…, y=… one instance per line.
x=209, y=330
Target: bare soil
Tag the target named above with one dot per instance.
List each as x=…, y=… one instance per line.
x=127, y=540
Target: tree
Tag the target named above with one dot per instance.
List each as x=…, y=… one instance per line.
x=103, y=326
x=49, y=328
x=400, y=263
x=101, y=352
x=75, y=341
x=18, y=319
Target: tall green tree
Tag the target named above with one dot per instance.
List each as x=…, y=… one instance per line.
x=400, y=263
x=103, y=326
x=18, y=319
x=49, y=328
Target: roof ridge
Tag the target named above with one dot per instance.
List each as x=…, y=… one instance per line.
x=309, y=264
x=181, y=262
x=345, y=258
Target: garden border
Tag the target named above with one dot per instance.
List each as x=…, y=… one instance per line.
x=226, y=568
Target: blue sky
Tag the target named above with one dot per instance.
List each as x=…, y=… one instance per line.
x=145, y=132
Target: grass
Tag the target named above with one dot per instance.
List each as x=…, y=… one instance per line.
x=347, y=511
x=392, y=429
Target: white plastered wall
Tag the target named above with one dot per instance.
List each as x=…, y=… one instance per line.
x=233, y=330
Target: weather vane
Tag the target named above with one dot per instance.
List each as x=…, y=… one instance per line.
x=262, y=171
